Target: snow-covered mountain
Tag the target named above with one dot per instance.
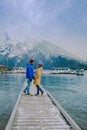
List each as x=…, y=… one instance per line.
x=17, y=54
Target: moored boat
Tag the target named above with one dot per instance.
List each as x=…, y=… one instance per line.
x=80, y=72
x=63, y=70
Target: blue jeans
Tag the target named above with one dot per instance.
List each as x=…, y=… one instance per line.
x=28, y=86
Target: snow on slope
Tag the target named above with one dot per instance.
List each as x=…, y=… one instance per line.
x=49, y=49
x=31, y=48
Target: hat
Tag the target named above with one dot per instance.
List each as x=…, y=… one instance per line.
x=40, y=65
x=31, y=60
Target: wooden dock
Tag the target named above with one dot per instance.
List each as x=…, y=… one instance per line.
x=39, y=113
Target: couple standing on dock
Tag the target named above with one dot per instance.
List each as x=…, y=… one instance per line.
x=30, y=76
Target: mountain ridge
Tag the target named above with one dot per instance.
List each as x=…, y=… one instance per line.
x=18, y=53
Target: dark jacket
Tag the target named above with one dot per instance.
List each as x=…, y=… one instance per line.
x=29, y=71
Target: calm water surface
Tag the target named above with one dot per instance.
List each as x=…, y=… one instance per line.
x=10, y=86
x=69, y=90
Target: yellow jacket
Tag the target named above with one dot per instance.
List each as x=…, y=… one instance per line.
x=38, y=76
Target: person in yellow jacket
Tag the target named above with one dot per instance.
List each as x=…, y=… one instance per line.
x=37, y=79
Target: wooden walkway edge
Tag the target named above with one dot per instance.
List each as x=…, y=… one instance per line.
x=64, y=113
x=39, y=113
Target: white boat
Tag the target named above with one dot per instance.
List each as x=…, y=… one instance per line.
x=80, y=72
x=64, y=70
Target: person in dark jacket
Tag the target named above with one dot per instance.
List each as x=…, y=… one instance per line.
x=29, y=76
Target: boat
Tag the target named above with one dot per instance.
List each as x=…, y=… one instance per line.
x=63, y=70
x=80, y=72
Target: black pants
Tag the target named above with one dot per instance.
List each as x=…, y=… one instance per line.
x=39, y=89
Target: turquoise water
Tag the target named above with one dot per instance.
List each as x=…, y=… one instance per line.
x=69, y=90
x=10, y=86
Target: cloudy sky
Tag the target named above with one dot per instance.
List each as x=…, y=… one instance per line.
x=63, y=22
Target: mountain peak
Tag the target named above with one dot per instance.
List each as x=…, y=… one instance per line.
x=19, y=52
x=6, y=36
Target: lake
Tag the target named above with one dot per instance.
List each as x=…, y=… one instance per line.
x=69, y=90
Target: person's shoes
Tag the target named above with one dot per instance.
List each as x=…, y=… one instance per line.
x=24, y=92
x=36, y=94
x=29, y=94
x=42, y=92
